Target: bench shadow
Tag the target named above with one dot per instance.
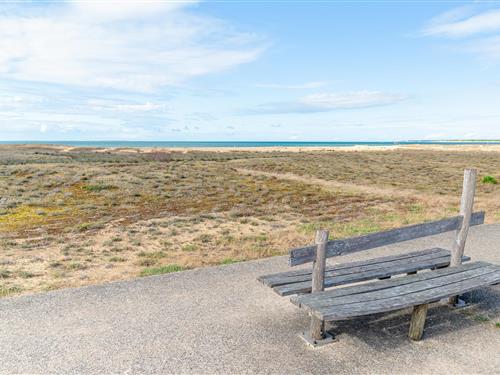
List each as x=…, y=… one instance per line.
x=387, y=330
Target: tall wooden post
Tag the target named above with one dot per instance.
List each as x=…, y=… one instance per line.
x=466, y=206
x=317, y=329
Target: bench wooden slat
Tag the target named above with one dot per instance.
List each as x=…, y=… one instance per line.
x=419, y=298
x=351, y=245
x=431, y=294
x=274, y=278
x=380, y=285
x=356, y=267
x=334, y=280
x=407, y=287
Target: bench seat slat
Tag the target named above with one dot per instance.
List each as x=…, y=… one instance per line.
x=357, y=267
x=308, y=299
x=407, y=285
x=357, y=274
x=274, y=279
x=305, y=287
x=435, y=289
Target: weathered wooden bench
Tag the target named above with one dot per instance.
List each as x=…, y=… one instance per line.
x=445, y=276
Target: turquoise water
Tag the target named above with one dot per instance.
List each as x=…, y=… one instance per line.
x=196, y=144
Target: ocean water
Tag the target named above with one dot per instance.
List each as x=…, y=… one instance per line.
x=217, y=144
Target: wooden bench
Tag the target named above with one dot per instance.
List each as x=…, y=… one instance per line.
x=445, y=276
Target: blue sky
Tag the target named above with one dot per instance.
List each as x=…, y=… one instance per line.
x=249, y=70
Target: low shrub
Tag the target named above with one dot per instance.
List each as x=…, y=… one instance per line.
x=98, y=188
x=489, y=180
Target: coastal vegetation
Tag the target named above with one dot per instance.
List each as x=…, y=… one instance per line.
x=489, y=180
x=77, y=216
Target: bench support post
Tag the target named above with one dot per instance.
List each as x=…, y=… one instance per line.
x=317, y=335
x=466, y=206
x=418, y=322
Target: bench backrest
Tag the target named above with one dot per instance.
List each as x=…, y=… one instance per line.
x=351, y=245
x=459, y=223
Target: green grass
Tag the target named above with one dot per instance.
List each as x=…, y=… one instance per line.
x=98, y=188
x=161, y=270
x=190, y=247
x=229, y=261
x=497, y=324
x=88, y=226
x=489, y=180
x=152, y=254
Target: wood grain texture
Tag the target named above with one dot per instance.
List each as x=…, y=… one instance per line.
x=417, y=322
x=381, y=285
x=356, y=267
x=434, y=291
x=401, y=289
x=284, y=277
x=364, y=274
x=370, y=241
x=317, y=326
x=466, y=206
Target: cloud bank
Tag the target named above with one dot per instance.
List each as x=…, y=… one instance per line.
x=460, y=24
x=103, y=44
x=477, y=33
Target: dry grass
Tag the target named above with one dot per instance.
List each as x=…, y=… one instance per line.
x=431, y=175
x=82, y=216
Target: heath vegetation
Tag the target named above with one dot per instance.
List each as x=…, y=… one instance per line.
x=77, y=216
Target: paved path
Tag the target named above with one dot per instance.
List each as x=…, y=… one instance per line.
x=221, y=320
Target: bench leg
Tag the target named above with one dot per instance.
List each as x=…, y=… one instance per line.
x=418, y=321
x=317, y=336
x=317, y=329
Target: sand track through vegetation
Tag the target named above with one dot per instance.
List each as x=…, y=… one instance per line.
x=350, y=187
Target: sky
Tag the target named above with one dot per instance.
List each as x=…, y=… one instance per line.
x=249, y=70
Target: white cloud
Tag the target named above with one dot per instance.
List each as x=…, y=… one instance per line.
x=358, y=99
x=460, y=26
x=332, y=101
x=17, y=125
x=471, y=29
x=306, y=85
x=115, y=10
x=125, y=107
x=18, y=101
x=105, y=44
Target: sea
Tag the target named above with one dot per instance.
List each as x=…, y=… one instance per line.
x=220, y=144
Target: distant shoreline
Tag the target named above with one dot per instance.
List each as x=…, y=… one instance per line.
x=247, y=144
x=216, y=147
